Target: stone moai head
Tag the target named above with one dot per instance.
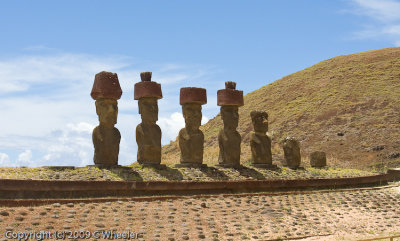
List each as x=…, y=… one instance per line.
x=260, y=121
x=230, y=99
x=107, y=110
x=148, y=92
x=191, y=99
x=106, y=91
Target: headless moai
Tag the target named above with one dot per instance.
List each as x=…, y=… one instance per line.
x=291, y=149
x=318, y=159
x=229, y=138
x=260, y=143
x=191, y=139
x=148, y=133
x=106, y=138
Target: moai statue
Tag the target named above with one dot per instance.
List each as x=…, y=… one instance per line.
x=260, y=143
x=148, y=133
x=106, y=91
x=291, y=149
x=191, y=139
x=229, y=138
x=318, y=159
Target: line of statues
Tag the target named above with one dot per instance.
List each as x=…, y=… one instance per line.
x=106, y=138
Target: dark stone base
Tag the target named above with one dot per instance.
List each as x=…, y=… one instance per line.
x=236, y=166
x=59, y=168
x=154, y=165
x=296, y=168
x=191, y=165
x=105, y=166
x=265, y=166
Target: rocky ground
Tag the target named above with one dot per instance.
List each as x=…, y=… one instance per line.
x=137, y=172
x=351, y=214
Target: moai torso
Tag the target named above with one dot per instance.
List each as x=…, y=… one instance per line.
x=260, y=149
x=229, y=147
x=260, y=143
x=148, y=138
x=191, y=146
x=291, y=149
x=106, y=145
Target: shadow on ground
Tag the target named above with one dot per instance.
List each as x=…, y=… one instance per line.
x=126, y=173
x=214, y=173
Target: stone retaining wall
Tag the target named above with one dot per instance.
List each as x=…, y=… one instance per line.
x=25, y=189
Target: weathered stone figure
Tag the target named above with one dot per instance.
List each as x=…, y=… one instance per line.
x=318, y=159
x=106, y=138
x=148, y=133
x=228, y=138
x=260, y=143
x=191, y=139
x=291, y=149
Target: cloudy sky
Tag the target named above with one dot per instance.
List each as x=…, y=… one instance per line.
x=50, y=52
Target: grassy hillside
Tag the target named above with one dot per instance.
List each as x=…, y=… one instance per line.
x=347, y=106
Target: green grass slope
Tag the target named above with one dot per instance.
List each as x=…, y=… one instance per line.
x=357, y=95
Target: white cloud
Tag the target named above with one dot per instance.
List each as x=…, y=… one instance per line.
x=4, y=159
x=384, y=19
x=382, y=10
x=50, y=114
x=24, y=159
x=25, y=72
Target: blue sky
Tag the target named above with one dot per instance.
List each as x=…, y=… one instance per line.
x=50, y=52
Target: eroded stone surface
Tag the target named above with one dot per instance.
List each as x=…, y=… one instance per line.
x=318, y=159
x=260, y=143
x=291, y=149
x=106, y=138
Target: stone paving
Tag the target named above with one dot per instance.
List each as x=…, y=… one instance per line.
x=315, y=215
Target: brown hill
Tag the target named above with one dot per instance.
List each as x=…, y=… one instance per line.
x=347, y=106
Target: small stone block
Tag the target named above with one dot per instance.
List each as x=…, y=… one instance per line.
x=318, y=159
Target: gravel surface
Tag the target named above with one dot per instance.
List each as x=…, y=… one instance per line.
x=315, y=215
